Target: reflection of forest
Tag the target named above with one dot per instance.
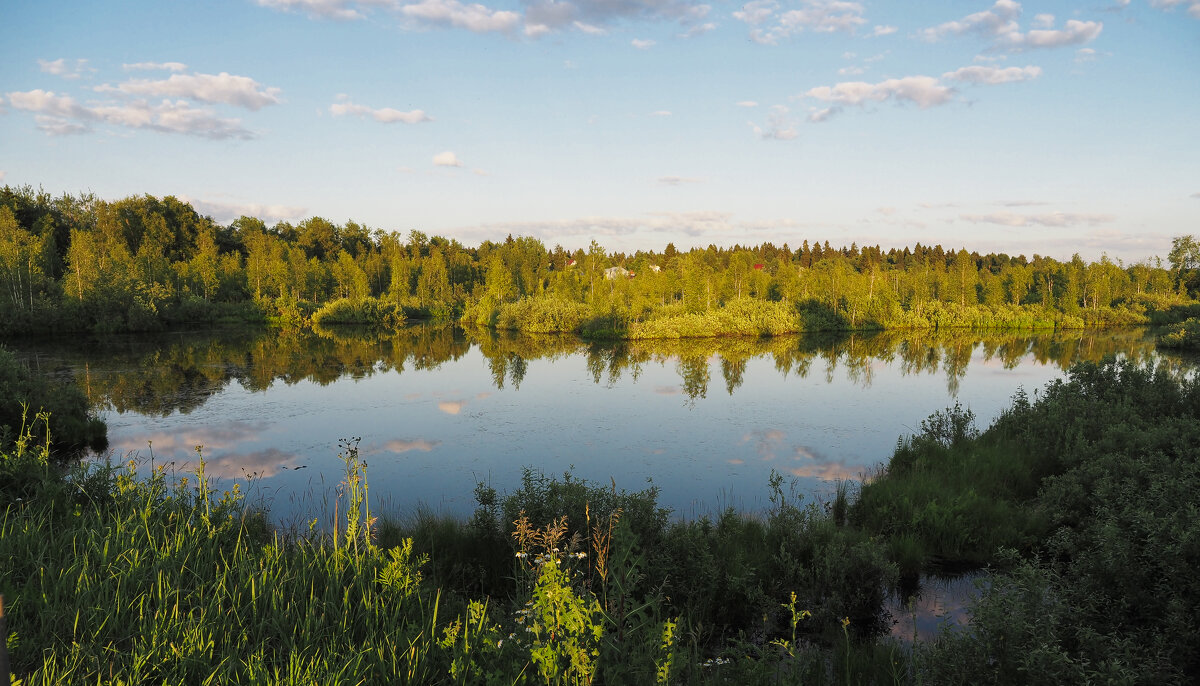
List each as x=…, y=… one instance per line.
x=162, y=374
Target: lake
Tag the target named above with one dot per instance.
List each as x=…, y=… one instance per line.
x=436, y=409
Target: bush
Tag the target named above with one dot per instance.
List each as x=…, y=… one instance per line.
x=1182, y=336
x=371, y=312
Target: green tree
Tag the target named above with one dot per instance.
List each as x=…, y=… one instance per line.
x=22, y=262
x=1185, y=261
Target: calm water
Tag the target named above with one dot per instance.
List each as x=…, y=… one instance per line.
x=437, y=409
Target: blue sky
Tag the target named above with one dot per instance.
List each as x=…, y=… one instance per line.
x=1023, y=127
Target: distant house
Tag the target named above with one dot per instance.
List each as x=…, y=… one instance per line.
x=759, y=267
x=571, y=263
x=614, y=272
x=655, y=268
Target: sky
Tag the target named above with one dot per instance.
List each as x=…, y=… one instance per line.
x=1032, y=127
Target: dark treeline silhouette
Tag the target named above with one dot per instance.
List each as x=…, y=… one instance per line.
x=76, y=263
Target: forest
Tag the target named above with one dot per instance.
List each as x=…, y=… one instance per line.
x=79, y=263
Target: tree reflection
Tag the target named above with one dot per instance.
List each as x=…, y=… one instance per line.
x=159, y=375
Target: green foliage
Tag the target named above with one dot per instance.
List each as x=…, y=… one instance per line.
x=543, y=500
x=143, y=263
x=1182, y=336
x=1103, y=504
x=368, y=312
x=540, y=314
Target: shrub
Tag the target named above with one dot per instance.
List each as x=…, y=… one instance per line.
x=1182, y=336
x=370, y=312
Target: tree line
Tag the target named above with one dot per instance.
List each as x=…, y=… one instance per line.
x=77, y=262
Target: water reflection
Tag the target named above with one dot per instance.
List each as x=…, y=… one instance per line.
x=441, y=408
x=158, y=376
x=221, y=446
x=938, y=605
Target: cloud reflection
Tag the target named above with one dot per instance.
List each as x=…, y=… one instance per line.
x=261, y=463
x=183, y=442
x=766, y=443
x=399, y=445
x=451, y=406
x=939, y=603
x=820, y=466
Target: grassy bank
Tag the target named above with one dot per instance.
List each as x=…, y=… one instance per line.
x=1082, y=499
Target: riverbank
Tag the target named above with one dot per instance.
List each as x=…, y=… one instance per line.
x=569, y=581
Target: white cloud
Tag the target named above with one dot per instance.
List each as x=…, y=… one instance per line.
x=1074, y=33
x=999, y=23
x=756, y=12
x=61, y=115
x=1085, y=55
x=325, y=9
x=642, y=44
x=1195, y=195
x=818, y=116
x=589, y=29
x=852, y=70
x=822, y=16
x=67, y=69
x=155, y=66
x=48, y=103
x=884, y=30
x=1193, y=6
x=1052, y=219
x=386, y=115
x=1021, y=203
x=993, y=75
x=474, y=17
x=446, y=159
x=225, y=88
x=225, y=212
x=924, y=91
x=561, y=14
x=747, y=103
x=677, y=180
x=780, y=125
x=698, y=30
x=57, y=67
x=661, y=113
x=825, y=16
x=540, y=16
x=3, y=174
